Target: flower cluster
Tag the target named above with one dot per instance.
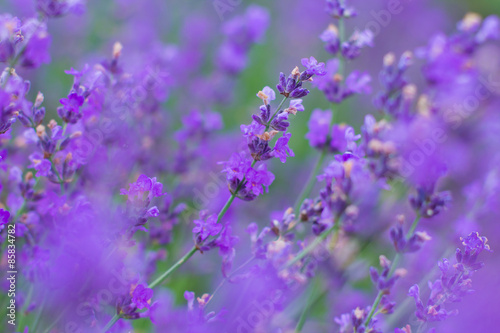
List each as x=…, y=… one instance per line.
x=246, y=181
x=455, y=281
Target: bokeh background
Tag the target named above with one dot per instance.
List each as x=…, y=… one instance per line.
x=293, y=34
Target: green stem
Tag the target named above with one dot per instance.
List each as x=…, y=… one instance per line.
x=310, y=183
x=318, y=240
x=303, y=316
x=233, y=273
x=193, y=250
x=38, y=315
x=394, y=265
x=59, y=178
x=47, y=330
x=275, y=112
x=111, y=322
x=181, y=261
x=23, y=309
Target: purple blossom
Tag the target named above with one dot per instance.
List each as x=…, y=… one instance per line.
x=42, y=165
x=56, y=8
x=313, y=67
x=319, y=127
x=351, y=49
x=338, y=9
x=331, y=39
x=206, y=226
x=454, y=283
x=144, y=185
x=281, y=149
x=4, y=218
x=141, y=296
x=10, y=36
x=36, y=43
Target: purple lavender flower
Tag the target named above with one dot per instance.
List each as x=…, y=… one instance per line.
x=338, y=9
x=454, y=283
x=56, y=8
x=10, y=36
x=383, y=282
x=281, y=149
x=319, y=127
x=402, y=245
x=70, y=111
x=36, y=43
x=351, y=49
x=41, y=165
x=396, y=88
x=141, y=296
x=354, y=322
x=241, y=32
x=334, y=87
x=143, y=188
x=4, y=218
x=206, y=226
x=331, y=39
x=429, y=203
x=226, y=243
x=313, y=67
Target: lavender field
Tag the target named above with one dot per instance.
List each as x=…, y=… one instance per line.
x=249, y=166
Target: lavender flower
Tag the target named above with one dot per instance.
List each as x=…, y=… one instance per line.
x=56, y=8
x=455, y=281
x=206, y=226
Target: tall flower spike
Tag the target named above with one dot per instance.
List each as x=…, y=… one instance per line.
x=454, y=283
x=245, y=180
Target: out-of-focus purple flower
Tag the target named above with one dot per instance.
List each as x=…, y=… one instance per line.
x=334, y=87
x=428, y=203
x=313, y=67
x=259, y=247
x=241, y=32
x=36, y=44
x=354, y=322
x=41, y=165
x=4, y=218
x=10, y=36
x=383, y=282
x=351, y=49
x=343, y=138
x=56, y=8
x=396, y=91
x=153, y=212
x=70, y=111
x=226, y=243
x=490, y=30
x=319, y=127
x=413, y=244
x=454, y=283
x=144, y=185
x=338, y=9
x=331, y=39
